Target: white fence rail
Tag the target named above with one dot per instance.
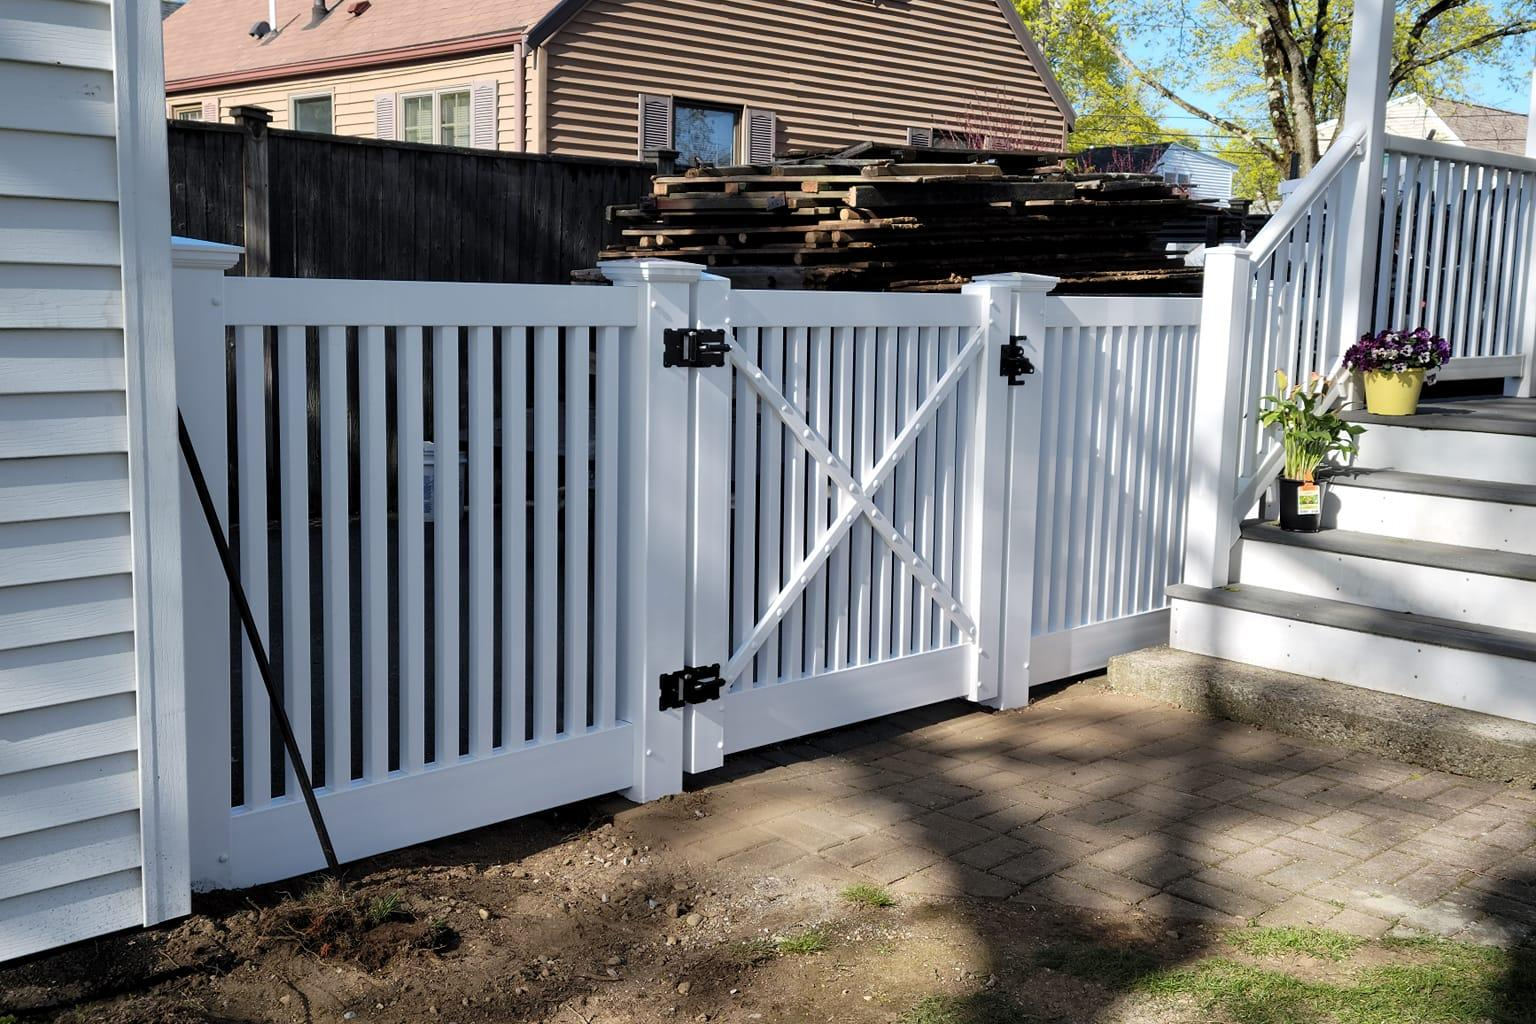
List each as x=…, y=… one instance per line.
x=854, y=514
x=1457, y=240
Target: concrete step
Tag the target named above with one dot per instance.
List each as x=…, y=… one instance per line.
x=1488, y=669
x=1417, y=506
x=1474, y=586
x=1483, y=439
x=1414, y=731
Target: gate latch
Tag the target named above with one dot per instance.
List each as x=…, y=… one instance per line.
x=691, y=684
x=693, y=347
x=1014, y=364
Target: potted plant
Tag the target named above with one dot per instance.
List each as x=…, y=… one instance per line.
x=1309, y=434
x=1394, y=365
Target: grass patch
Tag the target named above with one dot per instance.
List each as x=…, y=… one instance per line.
x=1317, y=943
x=811, y=940
x=868, y=896
x=1111, y=967
x=990, y=1007
x=390, y=907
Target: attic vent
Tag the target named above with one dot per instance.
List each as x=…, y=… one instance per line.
x=384, y=116
x=655, y=123
x=762, y=127
x=920, y=137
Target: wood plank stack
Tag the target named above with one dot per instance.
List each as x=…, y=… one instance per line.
x=875, y=218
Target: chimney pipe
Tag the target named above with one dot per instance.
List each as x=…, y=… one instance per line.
x=317, y=12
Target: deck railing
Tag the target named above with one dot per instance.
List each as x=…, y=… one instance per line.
x=1455, y=251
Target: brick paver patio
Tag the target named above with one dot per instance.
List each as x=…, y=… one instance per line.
x=1106, y=802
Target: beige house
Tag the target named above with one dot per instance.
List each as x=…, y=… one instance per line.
x=621, y=78
x=1441, y=120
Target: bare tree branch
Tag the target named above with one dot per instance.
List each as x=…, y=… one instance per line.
x=1162, y=90
x=1407, y=66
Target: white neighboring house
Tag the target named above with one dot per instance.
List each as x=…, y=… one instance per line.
x=1209, y=178
x=1435, y=119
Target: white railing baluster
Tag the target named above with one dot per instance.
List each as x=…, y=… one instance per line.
x=771, y=559
x=860, y=560
x=482, y=550
x=335, y=545
x=546, y=532
x=605, y=624
x=293, y=431
x=446, y=509
x=515, y=577
x=745, y=470
x=412, y=591
x=841, y=417
x=373, y=491
x=251, y=456
x=578, y=379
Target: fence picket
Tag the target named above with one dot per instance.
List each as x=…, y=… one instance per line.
x=251, y=458
x=842, y=399
x=514, y=536
x=445, y=542
x=578, y=374
x=605, y=604
x=335, y=544
x=744, y=522
x=293, y=431
x=546, y=533
x=482, y=550
x=770, y=558
x=410, y=488
x=373, y=493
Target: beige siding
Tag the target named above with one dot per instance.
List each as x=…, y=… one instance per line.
x=354, y=92
x=834, y=71
x=70, y=844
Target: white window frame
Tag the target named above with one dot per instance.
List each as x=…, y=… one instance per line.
x=294, y=99
x=739, y=144
x=437, y=110
x=178, y=109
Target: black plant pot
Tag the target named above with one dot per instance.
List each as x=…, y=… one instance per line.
x=1301, y=505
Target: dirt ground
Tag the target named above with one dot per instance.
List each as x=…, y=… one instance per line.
x=562, y=918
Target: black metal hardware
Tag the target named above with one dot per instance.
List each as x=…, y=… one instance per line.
x=691, y=684
x=1013, y=363
x=693, y=347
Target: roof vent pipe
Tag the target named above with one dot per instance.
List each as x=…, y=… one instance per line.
x=317, y=12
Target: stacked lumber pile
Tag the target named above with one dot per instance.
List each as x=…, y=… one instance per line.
x=874, y=218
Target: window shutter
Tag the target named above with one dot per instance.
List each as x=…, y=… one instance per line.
x=920, y=137
x=761, y=136
x=482, y=114
x=655, y=123
x=384, y=116
x=211, y=109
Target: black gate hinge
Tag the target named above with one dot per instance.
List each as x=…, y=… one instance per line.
x=693, y=347
x=1013, y=363
x=691, y=684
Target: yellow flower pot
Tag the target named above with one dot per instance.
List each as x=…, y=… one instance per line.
x=1389, y=393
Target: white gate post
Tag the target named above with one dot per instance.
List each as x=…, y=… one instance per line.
x=198, y=296
x=709, y=563
x=653, y=482
x=1000, y=531
x=1210, y=529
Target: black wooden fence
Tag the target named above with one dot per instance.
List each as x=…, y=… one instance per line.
x=329, y=206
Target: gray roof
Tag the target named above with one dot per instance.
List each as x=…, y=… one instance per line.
x=1483, y=127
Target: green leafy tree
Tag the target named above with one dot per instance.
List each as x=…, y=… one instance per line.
x=1082, y=44
x=1282, y=64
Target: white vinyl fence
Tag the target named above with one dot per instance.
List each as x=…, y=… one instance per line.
x=487, y=532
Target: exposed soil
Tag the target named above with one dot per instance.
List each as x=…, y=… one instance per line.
x=562, y=918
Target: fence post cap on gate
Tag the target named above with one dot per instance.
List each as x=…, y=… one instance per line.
x=197, y=254
x=1020, y=281
x=650, y=271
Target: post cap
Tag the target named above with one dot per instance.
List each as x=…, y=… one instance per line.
x=650, y=271
x=199, y=254
x=1020, y=281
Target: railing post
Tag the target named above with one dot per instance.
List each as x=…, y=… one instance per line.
x=1213, y=464
x=198, y=310
x=1008, y=530
x=1365, y=105
x=653, y=483
x=1525, y=385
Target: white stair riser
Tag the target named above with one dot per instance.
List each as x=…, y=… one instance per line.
x=1474, y=598
x=1506, y=458
x=1437, y=518
x=1488, y=683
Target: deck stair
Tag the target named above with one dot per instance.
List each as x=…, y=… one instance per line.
x=1425, y=583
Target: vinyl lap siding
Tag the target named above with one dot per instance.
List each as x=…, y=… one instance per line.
x=70, y=845
x=1208, y=178
x=834, y=71
x=353, y=93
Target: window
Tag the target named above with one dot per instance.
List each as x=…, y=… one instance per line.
x=436, y=117
x=312, y=114
x=187, y=112
x=704, y=134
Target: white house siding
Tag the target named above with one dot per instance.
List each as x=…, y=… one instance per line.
x=1209, y=178
x=71, y=845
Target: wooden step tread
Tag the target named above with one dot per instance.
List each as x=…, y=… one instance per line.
x=1506, y=643
x=1480, y=415
x=1438, y=486
x=1455, y=558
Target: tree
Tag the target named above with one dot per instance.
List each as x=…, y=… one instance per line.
x=1082, y=44
x=1283, y=63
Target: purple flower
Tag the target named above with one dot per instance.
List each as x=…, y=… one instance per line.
x=1396, y=351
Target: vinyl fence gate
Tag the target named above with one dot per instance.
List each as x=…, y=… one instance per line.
x=684, y=520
